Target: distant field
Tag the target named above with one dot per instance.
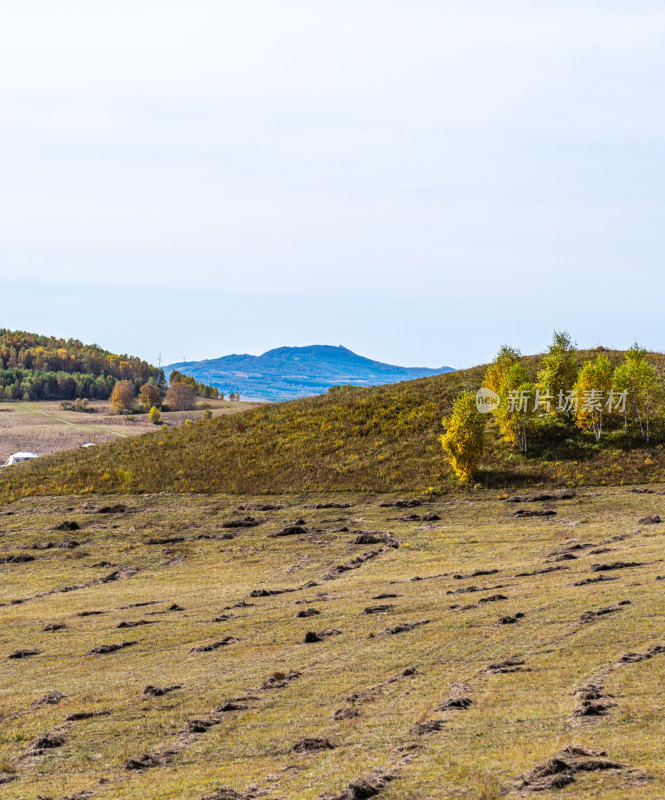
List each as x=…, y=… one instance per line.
x=43, y=427
x=460, y=651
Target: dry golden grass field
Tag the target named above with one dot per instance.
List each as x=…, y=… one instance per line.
x=43, y=427
x=468, y=648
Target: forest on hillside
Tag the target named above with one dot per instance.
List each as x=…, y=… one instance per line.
x=34, y=367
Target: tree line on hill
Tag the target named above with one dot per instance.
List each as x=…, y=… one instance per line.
x=563, y=400
x=34, y=367
x=202, y=389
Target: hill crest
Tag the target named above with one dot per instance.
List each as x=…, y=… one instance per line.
x=374, y=439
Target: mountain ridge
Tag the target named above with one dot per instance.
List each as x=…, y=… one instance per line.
x=288, y=373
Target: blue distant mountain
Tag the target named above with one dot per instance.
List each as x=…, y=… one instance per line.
x=290, y=372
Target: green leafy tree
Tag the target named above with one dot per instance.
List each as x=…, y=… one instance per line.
x=464, y=438
x=559, y=372
x=638, y=379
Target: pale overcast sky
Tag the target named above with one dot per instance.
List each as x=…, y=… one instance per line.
x=419, y=181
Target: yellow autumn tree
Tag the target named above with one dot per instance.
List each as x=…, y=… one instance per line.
x=515, y=411
x=122, y=397
x=154, y=415
x=181, y=396
x=464, y=439
x=499, y=368
x=149, y=395
x=507, y=377
x=593, y=384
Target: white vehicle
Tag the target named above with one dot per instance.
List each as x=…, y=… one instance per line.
x=18, y=457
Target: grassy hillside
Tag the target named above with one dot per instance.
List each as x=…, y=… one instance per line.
x=377, y=439
x=458, y=655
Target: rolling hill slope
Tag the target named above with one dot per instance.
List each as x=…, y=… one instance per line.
x=286, y=373
x=381, y=439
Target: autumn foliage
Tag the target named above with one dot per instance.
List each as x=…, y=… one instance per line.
x=464, y=439
x=122, y=397
x=34, y=367
x=149, y=395
x=181, y=397
x=201, y=389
